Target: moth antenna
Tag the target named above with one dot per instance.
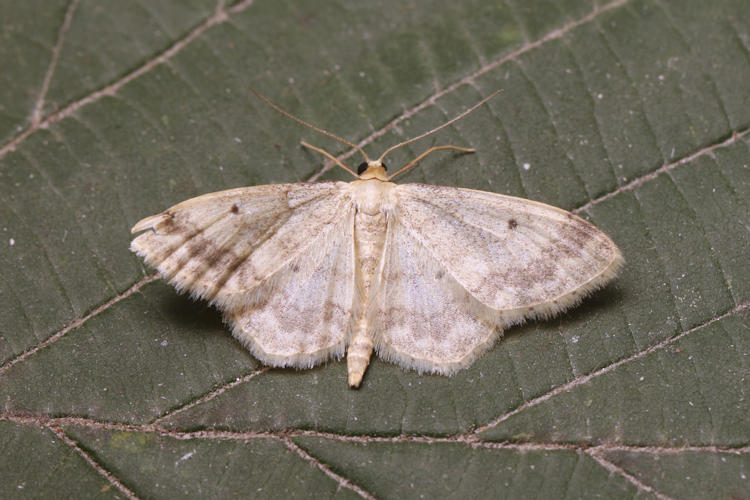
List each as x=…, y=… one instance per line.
x=330, y=157
x=422, y=136
x=431, y=150
x=309, y=125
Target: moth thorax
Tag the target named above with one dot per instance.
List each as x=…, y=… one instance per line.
x=372, y=196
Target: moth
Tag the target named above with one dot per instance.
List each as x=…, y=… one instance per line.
x=428, y=276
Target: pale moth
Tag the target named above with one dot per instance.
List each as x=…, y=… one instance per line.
x=428, y=276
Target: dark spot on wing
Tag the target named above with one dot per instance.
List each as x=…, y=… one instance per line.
x=295, y=268
x=579, y=234
x=213, y=257
x=328, y=310
x=197, y=247
x=235, y=209
x=169, y=225
x=512, y=224
x=439, y=275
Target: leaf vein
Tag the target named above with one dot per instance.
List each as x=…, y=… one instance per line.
x=210, y=395
x=325, y=469
x=93, y=463
x=601, y=371
x=630, y=186
x=36, y=115
x=77, y=322
x=470, y=79
x=109, y=90
x=611, y=467
x=469, y=439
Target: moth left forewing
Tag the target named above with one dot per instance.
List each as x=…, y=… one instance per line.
x=221, y=245
x=278, y=260
x=513, y=255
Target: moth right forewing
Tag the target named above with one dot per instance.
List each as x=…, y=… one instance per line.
x=511, y=254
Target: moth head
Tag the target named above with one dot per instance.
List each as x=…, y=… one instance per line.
x=376, y=169
x=372, y=170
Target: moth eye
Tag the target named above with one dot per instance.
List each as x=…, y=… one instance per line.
x=361, y=168
x=384, y=167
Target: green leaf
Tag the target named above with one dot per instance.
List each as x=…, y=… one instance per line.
x=632, y=113
x=36, y=464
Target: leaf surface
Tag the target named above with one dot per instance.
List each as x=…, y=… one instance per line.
x=634, y=114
